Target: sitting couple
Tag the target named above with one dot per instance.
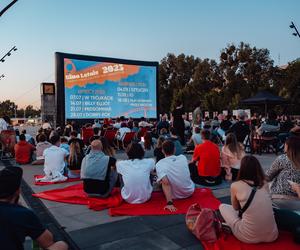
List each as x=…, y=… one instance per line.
x=100, y=175
x=59, y=164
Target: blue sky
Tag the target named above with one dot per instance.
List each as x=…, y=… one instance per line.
x=134, y=29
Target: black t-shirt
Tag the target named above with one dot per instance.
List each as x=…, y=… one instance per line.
x=225, y=125
x=92, y=186
x=240, y=129
x=17, y=222
x=178, y=121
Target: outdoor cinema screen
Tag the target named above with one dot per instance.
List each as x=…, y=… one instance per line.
x=102, y=88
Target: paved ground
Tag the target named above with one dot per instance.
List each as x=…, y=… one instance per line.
x=97, y=230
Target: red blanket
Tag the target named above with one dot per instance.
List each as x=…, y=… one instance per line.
x=75, y=195
x=39, y=183
x=284, y=242
x=155, y=206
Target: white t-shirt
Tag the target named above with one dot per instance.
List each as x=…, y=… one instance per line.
x=122, y=132
x=136, y=177
x=54, y=161
x=176, y=169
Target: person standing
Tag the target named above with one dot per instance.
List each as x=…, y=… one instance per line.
x=178, y=122
x=197, y=116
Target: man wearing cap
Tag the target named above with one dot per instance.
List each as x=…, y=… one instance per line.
x=16, y=221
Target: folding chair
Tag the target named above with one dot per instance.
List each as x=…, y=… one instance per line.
x=110, y=136
x=8, y=141
x=127, y=139
x=86, y=134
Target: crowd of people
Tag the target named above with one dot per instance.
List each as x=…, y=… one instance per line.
x=156, y=160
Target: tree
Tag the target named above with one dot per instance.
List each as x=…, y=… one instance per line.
x=7, y=108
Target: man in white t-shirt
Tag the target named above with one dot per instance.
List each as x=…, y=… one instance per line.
x=54, y=161
x=121, y=132
x=174, y=175
x=136, y=175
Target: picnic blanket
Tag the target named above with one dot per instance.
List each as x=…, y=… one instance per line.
x=155, y=206
x=43, y=183
x=75, y=195
x=284, y=241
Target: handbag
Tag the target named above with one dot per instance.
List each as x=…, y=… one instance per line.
x=203, y=223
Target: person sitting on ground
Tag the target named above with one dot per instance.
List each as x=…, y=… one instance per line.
x=143, y=123
x=74, y=137
x=117, y=124
x=18, y=222
x=74, y=160
x=46, y=125
x=158, y=149
x=96, y=136
x=40, y=148
x=28, y=137
x=173, y=173
x=97, y=124
x=106, y=148
x=176, y=140
x=165, y=133
x=195, y=139
x=226, y=123
x=55, y=158
x=241, y=129
x=135, y=174
x=271, y=125
x=40, y=131
x=207, y=171
x=122, y=131
x=98, y=172
x=23, y=151
x=163, y=124
x=135, y=127
x=64, y=143
x=232, y=153
x=215, y=123
x=147, y=145
x=285, y=171
x=257, y=223
x=206, y=124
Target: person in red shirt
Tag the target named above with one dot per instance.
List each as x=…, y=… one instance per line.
x=208, y=170
x=23, y=151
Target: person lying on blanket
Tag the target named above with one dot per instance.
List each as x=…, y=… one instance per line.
x=98, y=172
x=174, y=175
x=135, y=174
x=55, y=158
x=18, y=222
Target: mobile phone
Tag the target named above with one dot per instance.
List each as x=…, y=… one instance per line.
x=142, y=139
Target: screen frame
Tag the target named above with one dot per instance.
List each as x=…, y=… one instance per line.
x=60, y=83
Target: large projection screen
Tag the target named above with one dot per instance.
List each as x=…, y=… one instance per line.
x=97, y=87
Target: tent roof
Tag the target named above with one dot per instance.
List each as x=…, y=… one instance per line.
x=264, y=97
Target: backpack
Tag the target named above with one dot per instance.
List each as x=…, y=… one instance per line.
x=204, y=223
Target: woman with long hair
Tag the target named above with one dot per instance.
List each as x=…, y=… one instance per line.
x=107, y=149
x=256, y=223
x=158, y=149
x=232, y=153
x=74, y=160
x=285, y=176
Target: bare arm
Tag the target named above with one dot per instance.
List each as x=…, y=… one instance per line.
x=168, y=193
x=234, y=201
x=45, y=240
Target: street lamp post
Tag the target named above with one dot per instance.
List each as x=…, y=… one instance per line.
x=293, y=26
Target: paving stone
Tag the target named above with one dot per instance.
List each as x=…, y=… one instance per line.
x=147, y=241
x=160, y=222
x=180, y=235
x=109, y=232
